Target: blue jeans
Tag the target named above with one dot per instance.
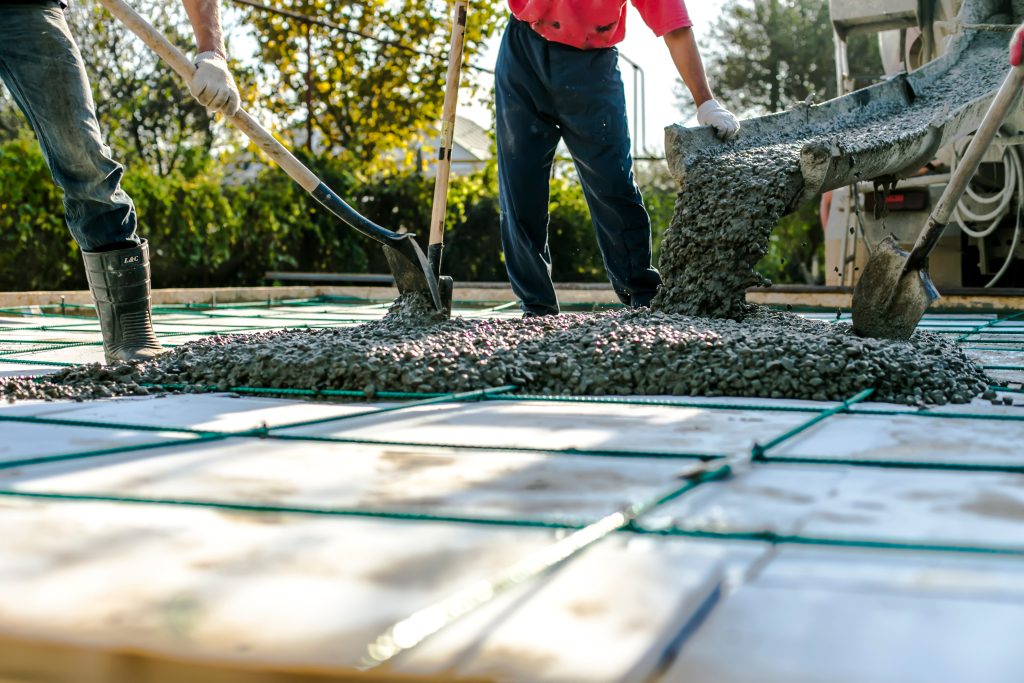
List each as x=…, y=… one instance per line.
x=42, y=68
x=546, y=92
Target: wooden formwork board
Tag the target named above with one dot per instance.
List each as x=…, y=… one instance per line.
x=824, y=298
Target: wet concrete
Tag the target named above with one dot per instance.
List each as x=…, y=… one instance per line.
x=101, y=382
x=627, y=352
x=721, y=229
x=1017, y=7
x=734, y=194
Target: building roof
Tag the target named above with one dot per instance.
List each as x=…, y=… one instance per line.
x=472, y=137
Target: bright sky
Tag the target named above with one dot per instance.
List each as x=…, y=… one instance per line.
x=642, y=47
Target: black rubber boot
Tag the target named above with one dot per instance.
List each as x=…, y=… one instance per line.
x=119, y=281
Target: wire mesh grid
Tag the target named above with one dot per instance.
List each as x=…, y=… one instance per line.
x=48, y=331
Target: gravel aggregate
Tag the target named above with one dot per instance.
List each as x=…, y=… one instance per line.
x=769, y=354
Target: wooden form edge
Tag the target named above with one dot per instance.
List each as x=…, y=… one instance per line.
x=492, y=293
x=25, y=659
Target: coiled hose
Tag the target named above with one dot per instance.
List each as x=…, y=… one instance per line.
x=995, y=207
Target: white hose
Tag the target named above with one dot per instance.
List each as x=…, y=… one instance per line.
x=1000, y=201
x=1013, y=247
x=1013, y=186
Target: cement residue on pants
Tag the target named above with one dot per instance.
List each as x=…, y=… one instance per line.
x=626, y=352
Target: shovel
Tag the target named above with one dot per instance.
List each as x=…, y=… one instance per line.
x=444, y=153
x=406, y=259
x=894, y=289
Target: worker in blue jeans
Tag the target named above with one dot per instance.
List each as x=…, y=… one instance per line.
x=42, y=68
x=557, y=78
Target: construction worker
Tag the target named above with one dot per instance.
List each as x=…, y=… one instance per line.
x=42, y=68
x=557, y=78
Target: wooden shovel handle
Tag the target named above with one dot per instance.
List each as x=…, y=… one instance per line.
x=263, y=139
x=997, y=112
x=451, y=100
x=259, y=135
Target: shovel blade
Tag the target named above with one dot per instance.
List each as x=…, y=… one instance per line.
x=446, y=288
x=412, y=273
x=889, y=301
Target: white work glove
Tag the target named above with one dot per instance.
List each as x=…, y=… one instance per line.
x=713, y=114
x=213, y=84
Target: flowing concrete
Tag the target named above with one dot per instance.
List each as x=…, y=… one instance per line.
x=733, y=195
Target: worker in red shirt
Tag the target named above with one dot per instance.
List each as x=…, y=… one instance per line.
x=557, y=78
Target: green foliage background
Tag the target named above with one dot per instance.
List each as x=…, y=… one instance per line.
x=205, y=231
x=217, y=213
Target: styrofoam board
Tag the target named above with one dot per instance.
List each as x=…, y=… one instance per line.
x=981, y=577
x=79, y=355
x=810, y=634
x=316, y=592
x=593, y=426
x=1007, y=357
x=213, y=412
x=906, y=437
x=953, y=508
x=26, y=370
x=609, y=615
x=23, y=440
x=503, y=485
x=773, y=498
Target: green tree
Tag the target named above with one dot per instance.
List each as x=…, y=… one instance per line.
x=145, y=110
x=765, y=55
x=36, y=249
x=362, y=98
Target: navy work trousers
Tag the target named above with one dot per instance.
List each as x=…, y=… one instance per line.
x=546, y=92
x=42, y=68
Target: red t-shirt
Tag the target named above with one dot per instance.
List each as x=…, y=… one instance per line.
x=589, y=24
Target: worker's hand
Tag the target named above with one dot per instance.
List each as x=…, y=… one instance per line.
x=713, y=114
x=1017, y=47
x=213, y=84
